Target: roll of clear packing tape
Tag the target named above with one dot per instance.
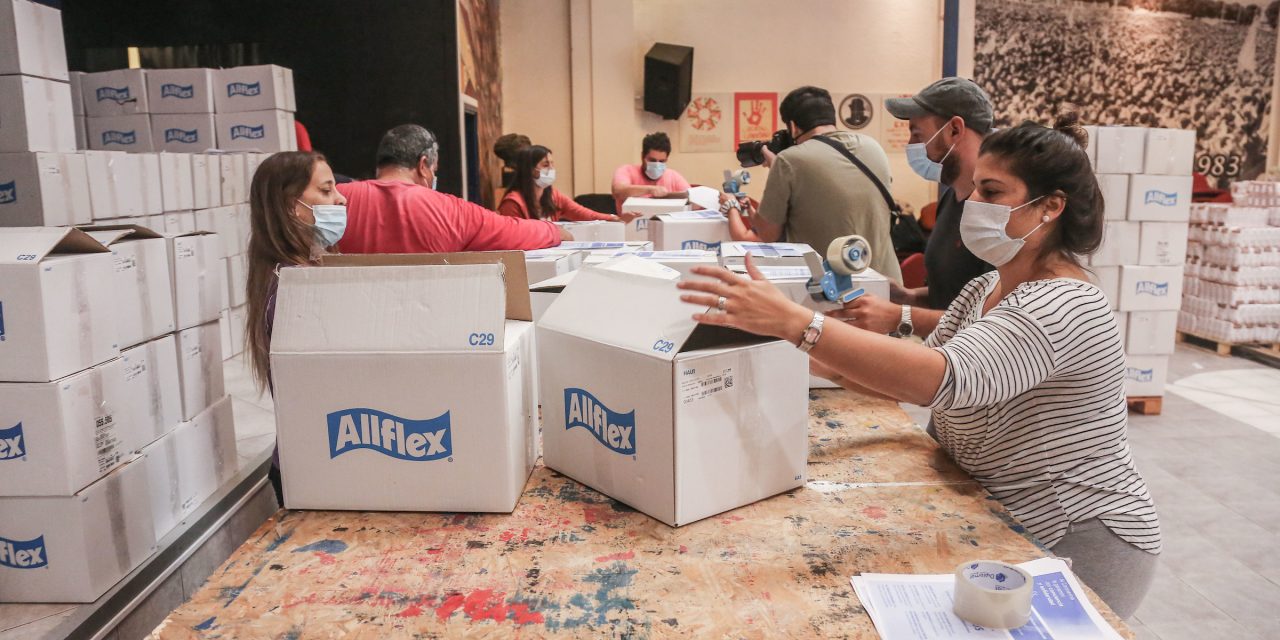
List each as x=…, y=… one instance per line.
x=993, y=594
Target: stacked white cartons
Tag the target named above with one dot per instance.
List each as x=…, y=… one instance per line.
x=115, y=106
x=255, y=107
x=1145, y=179
x=228, y=217
x=74, y=513
x=638, y=229
x=181, y=106
x=1232, y=292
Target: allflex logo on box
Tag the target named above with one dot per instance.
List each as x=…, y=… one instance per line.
x=1161, y=198
x=699, y=244
x=9, y=192
x=1139, y=375
x=12, y=444
x=119, y=137
x=118, y=95
x=1151, y=288
x=23, y=554
x=246, y=131
x=182, y=135
x=616, y=431
x=390, y=435
x=248, y=89
x=179, y=91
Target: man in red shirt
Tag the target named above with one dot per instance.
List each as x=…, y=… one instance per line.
x=401, y=212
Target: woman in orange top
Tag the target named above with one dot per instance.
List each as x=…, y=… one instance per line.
x=534, y=174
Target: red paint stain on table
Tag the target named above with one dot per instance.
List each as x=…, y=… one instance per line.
x=412, y=612
x=325, y=558
x=625, y=555
x=875, y=513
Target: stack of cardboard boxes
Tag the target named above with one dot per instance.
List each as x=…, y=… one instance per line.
x=1145, y=178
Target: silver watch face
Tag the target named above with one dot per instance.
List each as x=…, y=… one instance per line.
x=904, y=329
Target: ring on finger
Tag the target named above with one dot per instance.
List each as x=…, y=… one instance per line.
x=720, y=302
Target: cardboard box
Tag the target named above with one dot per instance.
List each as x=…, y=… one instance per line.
x=152, y=390
x=1163, y=244
x=1121, y=149
x=175, y=223
x=200, y=368
x=75, y=548
x=226, y=296
x=256, y=131
x=61, y=436
x=43, y=190
x=689, y=230
x=31, y=42
x=180, y=90
x=227, y=223
x=1150, y=288
x=82, y=133
x=1145, y=375
x=237, y=279
x=610, y=248
x=224, y=328
x=545, y=264
x=77, y=94
x=254, y=88
x=1120, y=243
x=1170, y=152
x=206, y=176
x=595, y=231
x=1107, y=279
x=121, y=133
x=638, y=229
x=1160, y=198
x=681, y=261
x=177, y=188
x=231, y=180
x=184, y=133
x=151, y=190
x=35, y=115
x=109, y=94
x=1122, y=323
x=238, y=317
x=545, y=292
x=773, y=254
x=110, y=174
x=1115, y=195
x=356, y=345
x=1151, y=332
x=198, y=274
x=56, y=315
x=188, y=465
x=141, y=285
x=253, y=160
x=706, y=420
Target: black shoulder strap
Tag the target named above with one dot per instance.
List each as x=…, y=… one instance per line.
x=884, y=191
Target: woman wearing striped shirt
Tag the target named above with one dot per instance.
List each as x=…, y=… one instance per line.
x=1025, y=372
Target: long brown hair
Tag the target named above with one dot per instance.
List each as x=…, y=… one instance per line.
x=278, y=238
x=527, y=160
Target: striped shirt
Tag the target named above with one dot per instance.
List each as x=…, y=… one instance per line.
x=1032, y=405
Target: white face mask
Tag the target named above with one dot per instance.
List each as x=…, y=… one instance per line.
x=331, y=222
x=546, y=177
x=982, y=230
x=655, y=169
x=918, y=159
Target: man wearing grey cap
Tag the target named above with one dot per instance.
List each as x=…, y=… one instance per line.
x=948, y=120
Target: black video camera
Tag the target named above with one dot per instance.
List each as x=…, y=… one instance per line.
x=751, y=153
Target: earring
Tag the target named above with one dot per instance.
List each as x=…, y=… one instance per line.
x=1044, y=219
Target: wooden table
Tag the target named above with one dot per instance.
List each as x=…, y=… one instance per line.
x=570, y=562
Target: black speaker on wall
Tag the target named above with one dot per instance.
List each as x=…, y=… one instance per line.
x=668, y=79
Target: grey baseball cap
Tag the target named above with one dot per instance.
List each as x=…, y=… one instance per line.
x=948, y=97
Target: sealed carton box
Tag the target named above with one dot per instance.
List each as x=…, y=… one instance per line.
x=61, y=436
x=1170, y=152
x=35, y=115
x=130, y=133
x=1160, y=198
x=238, y=317
x=1115, y=195
x=638, y=229
x=44, y=190
x=1108, y=280
x=237, y=279
x=544, y=264
x=231, y=180
x=111, y=174
x=610, y=248
x=689, y=230
x=177, y=189
x=206, y=177
x=1120, y=243
x=122, y=92
x=175, y=223
x=1145, y=375
x=1163, y=244
x=228, y=224
x=180, y=90
x=75, y=548
x=77, y=95
x=1151, y=332
x=184, y=133
x=31, y=42
x=1121, y=149
x=374, y=382
x=151, y=189
x=269, y=131
x=56, y=315
x=705, y=419
x=200, y=368
x=153, y=395
x=195, y=261
x=1122, y=323
x=1150, y=288
x=681, y=261
x=254, y=88
x=189, y=464
x=595, y=231
x=224, y=328
x=774, y=254
x=82, y=133
x=141, y=286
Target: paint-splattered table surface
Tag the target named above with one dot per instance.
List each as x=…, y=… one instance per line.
x=570, y=562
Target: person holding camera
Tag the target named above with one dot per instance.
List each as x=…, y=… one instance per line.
x=816, y=193
x=651, y=178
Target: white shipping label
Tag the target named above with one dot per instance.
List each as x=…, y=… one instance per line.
x=125, y=263
x=696, y=387
x=134, y=370
x=107, y=443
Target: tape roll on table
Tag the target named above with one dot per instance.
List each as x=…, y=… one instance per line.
x=993, y=594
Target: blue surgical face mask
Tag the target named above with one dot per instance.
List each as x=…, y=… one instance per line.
x=331, y=222
x=655, y=169
x=918, y=158
x=435, y=182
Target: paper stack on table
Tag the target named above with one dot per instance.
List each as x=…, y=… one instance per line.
x=918, y=607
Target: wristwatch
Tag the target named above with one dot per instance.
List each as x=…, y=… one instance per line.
x=811, y=333
x=905, y=329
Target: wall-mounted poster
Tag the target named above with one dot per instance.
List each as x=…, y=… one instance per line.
x=705, y=124
x=755, y=116
x=1186, y=64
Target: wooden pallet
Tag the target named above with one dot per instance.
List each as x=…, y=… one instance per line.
x=1146, y=405
x=1224, y=348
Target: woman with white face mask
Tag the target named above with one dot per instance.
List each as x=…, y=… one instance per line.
x=532, y=194
x=1025, y=372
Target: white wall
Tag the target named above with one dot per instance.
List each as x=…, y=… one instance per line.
x=535, y=78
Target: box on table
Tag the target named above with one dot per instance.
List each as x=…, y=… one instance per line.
x=595, y=231
x=774, y=254
x=231, y=180
x=141, y=285
x=638, y=229
x=184, y=133
x=56, y=315
x=704, y=419
x=1160, y=198
x=1121, y=149
x=1150, y=288
x=372, y=383
x=190, y=464
x=31, y=41
x=1151, y=332
x=198, y=274
x=689, y=230
x=130, y=133
x=544, y=264
x=153, y=394
x=180, y=90
x=75, y=548
x=1163, y=244
x=1115, y=195
x=543, y=293
x=1108, y=280
x=200, y=368
x=610, y=248
x=35, y=115
x=177, y=187
x=1145, y=375
x=1170, y=152
x=254, y=88
x=1120, y=244
x=206, y=174
x=122, y=92
x=43, y=189
x=256, y=131
x=681, y=261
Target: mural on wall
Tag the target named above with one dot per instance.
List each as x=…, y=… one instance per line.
x=480, y=76
x=1188, y=64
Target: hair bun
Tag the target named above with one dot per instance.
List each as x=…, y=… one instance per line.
x=1067, y=122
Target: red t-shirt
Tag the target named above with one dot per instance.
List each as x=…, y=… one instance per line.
x=399, y=217
x=566, y=209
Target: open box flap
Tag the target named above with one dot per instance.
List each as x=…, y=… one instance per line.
x=29, y=245
x=516, y=277
x=111, y=234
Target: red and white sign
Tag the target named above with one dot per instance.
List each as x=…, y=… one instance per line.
x=704, y=126
x=755, y=116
